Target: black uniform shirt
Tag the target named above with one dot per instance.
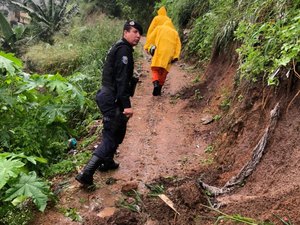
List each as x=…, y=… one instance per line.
x=118, y=72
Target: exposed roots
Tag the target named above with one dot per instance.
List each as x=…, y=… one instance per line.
x=292, y=100
x=298, y=76
x=246, y=171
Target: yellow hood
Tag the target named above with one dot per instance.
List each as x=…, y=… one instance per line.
x=162, y=11
x=158, y=20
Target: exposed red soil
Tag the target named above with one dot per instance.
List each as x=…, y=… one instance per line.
x=166, y=144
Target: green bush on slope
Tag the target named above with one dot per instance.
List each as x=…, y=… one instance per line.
x=267, y=33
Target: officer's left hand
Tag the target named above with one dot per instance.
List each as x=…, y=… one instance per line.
x=128, y=112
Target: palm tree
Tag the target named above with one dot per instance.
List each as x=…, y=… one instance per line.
x=48, y=17
x=11, y=36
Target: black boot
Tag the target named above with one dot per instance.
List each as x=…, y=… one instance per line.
x=86, y=176
x=109, y=164
x=159, y=90
x=155, y=88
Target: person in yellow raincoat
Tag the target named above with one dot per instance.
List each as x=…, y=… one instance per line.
x=167, y=45
x=160, y=19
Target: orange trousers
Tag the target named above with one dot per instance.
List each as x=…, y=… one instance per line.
x=160, y=74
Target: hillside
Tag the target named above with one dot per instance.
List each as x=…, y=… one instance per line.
x=172, y=141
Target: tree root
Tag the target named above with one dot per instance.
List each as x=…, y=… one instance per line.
x=287, y=108
x=248, y=168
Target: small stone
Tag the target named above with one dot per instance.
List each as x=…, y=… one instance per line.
x=207, y=119
x=129, y=187
x=107, y=212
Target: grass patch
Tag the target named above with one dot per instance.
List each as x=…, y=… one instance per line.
x=84, y=46
x=67, y=165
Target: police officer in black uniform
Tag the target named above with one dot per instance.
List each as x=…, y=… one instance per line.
x=113, y=100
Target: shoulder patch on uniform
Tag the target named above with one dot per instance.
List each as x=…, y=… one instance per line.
x=125, y=59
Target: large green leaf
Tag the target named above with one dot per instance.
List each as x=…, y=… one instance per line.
x=5, y=97
x=55, y=113
x=31, y=187
x=57, y=83
x=9, y=169
x=35, y=81
x=18, y=63
x=8, y=65
x=32, y=159
x=76, y=93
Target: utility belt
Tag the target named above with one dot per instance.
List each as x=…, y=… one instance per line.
x=119, y=117
x=106, y=118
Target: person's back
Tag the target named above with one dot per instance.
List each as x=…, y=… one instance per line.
x=167, y=50
x=168, y=45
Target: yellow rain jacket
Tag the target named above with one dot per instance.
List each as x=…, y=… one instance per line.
x=160, y=19
x=168, y=45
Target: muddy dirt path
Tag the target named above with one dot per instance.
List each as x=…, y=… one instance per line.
x=159, y=140
x=162, y=140
x=167, y=138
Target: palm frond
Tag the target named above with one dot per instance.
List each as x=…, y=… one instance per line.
x=30, y=11
x=37, y=8
x=6, y=29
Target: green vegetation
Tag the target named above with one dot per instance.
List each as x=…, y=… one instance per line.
x=42, y=109
x=217, y=117
x=207, y=161
x=7, y=32
x=226, y=100
x=12, y=215
x=223, y=217
x=41, y=112
x=126, y=9
x=183, y=12
x=38, y=111
x=67, y=165
x=209, y=149
x=225, y=104
x=155, y=189
x=82, y=51
x=196, y=79
x=37, y=117
x=19, y=187
x=47, y=17
x=134, y=203
x=197, y=95
x=269, y=46
x=71, y=213
x=267, y=32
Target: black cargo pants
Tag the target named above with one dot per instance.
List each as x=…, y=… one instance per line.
x=114, y=124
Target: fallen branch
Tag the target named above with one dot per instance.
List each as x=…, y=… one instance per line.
x=246, y=171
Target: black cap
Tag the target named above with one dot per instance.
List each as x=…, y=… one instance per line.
x=132, y=23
